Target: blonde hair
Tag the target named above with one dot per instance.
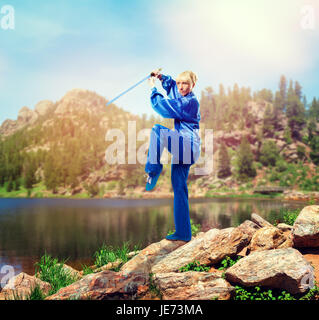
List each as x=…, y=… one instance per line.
x=190, y=75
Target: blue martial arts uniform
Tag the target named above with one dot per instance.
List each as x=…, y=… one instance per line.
x=183, y=143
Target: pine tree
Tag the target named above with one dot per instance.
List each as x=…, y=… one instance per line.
x=221, y=91
x=314, y=109
x=269, y=122
x=245, y=159
x=50, y=174
x=269, y=153
x=9, y=187
x=295, y=113
x=283, y=90
x=298, y=91
x=29, y=178
x=16, y=184
x=223, y=162
x=314, y=154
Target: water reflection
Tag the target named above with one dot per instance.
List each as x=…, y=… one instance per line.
x=75, y=229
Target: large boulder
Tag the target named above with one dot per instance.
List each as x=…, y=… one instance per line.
x=78, y=100
x=249, y=227
x=20, y=287
x=26, y=116
x=261, y=222
x=43, y=107
x=105, y=285
x=278, y=268
x=151, y=255
x=192, y=285
x=209, y=248
x=306, y=228
x=268, y=238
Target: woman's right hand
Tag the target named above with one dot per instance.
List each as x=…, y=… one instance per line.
x=156, y=73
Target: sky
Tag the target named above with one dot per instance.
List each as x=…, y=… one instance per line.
x=106, y=46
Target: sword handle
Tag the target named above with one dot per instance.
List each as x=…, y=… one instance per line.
x=153, y=74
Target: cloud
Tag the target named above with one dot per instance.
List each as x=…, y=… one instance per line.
x=39, y=33
x=239, y=39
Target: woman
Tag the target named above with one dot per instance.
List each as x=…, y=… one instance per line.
x=183, y=142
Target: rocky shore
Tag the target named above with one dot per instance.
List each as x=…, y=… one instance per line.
x=271, y=256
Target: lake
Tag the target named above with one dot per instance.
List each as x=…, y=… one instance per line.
x=76, y=228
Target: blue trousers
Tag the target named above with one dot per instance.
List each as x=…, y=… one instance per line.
x=162, y=137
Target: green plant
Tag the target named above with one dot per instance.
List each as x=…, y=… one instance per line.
x=153, y=288
x=289, y=216
x=269, y=153
x=86, y=269
x=312, y=294
x=257, y=293
x=51, y=270
x=194, y=266
x=108, y=254
x=228, y=262
x=35, y=294
x=111, y=185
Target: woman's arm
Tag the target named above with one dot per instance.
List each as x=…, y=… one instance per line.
x=181, y=108
x=167, y=83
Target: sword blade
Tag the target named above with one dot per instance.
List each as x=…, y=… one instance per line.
x=132, y=87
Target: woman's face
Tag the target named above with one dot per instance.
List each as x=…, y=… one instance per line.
x=184, y=86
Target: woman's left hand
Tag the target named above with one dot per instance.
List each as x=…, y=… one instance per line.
x=151, y=82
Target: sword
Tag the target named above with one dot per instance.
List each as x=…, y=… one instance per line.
x=132, y=87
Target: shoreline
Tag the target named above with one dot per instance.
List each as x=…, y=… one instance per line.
x=239, y=196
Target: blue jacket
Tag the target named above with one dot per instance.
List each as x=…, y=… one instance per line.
x=184, y=110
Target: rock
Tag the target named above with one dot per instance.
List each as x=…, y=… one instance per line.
x=278, y=268
x=76, y=190
x=105, y=285
x=192, y=285
x=108, y=266
x=268, y=238
x=299, y=196
x=74, y=273
x=210, y=248
x=79, y=100
x=21, y=286
x=8, y=127
x=26, y=116
x=261, y=222
x=151, y=255
x=133, y=253
x=249, y=227
x=306, y=227
x=43, y=107
x=284, y=227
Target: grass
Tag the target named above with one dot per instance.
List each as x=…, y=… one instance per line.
x=108, y=253
x=153, y=288
x=35, y=294
x=51, y=270
x=289, y=216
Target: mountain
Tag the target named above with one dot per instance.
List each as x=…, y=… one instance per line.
x=59, y=148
